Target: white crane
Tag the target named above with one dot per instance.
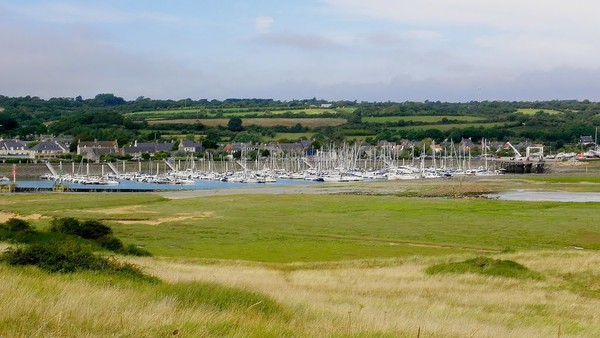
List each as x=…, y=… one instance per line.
x=517, y=153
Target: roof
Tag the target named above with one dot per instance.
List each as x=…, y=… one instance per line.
x=48, y=146
x=12, y=144
x=98, y=144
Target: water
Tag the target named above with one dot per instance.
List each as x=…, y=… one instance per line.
x=547, y=196
x=124, y=185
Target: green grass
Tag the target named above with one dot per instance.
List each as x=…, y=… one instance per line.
x=532, y=111
x=231, y=112
x=219, y=297
x=290, y=228
x=289, y=136
x=265, y=122
x=450, y=126
x=426, y=119
x=486, y=266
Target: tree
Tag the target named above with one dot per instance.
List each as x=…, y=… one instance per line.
x=235, y=124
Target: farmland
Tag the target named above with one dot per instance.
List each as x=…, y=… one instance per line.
x=532, y=111
x=424, y=119
x=264, y=122
x=444, y=127
x=231, y=112
x=320, y=263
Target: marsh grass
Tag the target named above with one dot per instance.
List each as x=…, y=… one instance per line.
x=317, y=228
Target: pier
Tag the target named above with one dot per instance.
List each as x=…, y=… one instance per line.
x=521, y=167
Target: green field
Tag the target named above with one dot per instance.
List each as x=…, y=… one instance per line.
x=213, y=228
x=532, y=111
x=265, y=122
x=425, y=119
x=290, y=136
x=231, y=112
x=444, y=127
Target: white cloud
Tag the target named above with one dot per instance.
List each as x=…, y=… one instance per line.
x=422, y=34
x=68, y=13
x=263, y=24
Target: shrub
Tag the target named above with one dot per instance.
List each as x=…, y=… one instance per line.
x=110, y=242
x=65, y=225
x=134, y=250
x=15, y=224
x=69, y=257
x=90, y=229
x=486, y=266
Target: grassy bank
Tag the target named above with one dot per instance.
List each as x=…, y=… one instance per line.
x=369, y=261
x=377, y=298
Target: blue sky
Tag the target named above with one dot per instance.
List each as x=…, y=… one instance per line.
x=376, y=50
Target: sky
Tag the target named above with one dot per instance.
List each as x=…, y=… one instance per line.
x=375, y=50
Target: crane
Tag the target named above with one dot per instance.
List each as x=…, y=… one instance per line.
x=517, y=153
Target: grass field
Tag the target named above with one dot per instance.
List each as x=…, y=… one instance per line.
x=227, y=113
x=426, y=119
x=532, y=111
x=337, y=225
x=320, y=265
x=290, y=136
x=450, y=126
x=265, y=122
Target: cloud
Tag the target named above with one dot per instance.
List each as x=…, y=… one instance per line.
x=70, y=63
x=68, y=13
x=422, y=34
x=307, y=42
x=263, y=24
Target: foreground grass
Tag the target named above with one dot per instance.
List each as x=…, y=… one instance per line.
x=377, y=298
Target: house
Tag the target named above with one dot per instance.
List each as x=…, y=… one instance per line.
x=14, y=149
x=138, y=148
x=237, y=146
x=92, y=150
x=586, y=140
x=191, y=147
x=48, y=149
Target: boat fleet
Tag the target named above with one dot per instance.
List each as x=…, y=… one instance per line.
x=344, y=165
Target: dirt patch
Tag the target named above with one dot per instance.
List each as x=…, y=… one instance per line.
x=5, y=216
x=133, y=209
x=158, y=221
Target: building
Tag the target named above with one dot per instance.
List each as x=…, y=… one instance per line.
x=92, y=150
x=191, y=147
x=48, y=149
x=14, y=149
x=586, y=140
x=138, y=148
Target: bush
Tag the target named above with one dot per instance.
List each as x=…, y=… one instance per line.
x=15, y=224
x=65, y=225
x=110, y=242
x=486, y=266
x=90, y=229
x=134, y=250
x=66, y=258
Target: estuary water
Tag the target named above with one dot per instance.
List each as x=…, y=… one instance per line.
x=547, y=196
x=127, y=185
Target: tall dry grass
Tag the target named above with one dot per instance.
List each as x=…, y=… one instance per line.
x=397, y=297
x=361, y=298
